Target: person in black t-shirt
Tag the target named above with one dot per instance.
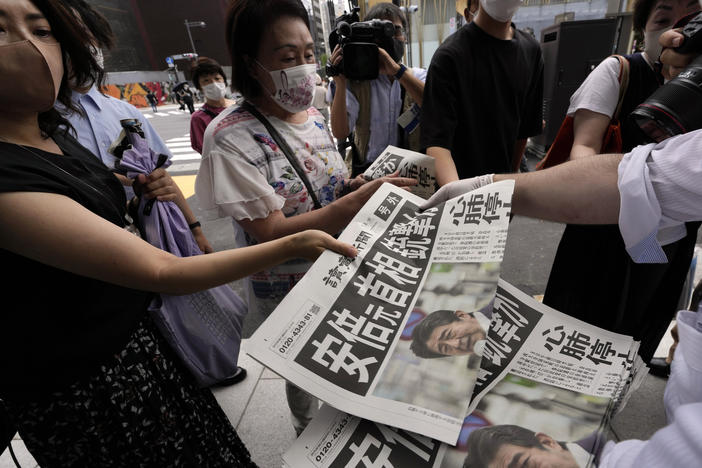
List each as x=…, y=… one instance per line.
x=483, y=96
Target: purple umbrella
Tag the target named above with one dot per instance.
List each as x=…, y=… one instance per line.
x=203, y=328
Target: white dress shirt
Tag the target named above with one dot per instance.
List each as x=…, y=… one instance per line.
x=386, y=107
x=100, y=126
x=661, y=188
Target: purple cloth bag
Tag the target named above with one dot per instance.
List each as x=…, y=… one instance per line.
x=203, y=328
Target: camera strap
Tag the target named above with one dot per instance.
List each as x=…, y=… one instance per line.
x=285, y=148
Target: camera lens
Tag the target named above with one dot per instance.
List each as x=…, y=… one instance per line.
x=675, y=108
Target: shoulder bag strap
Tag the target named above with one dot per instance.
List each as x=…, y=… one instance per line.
x=623, y=83
x=283, y=145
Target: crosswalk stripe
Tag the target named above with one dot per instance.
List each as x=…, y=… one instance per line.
x=181, y=150
x=174, y=112
x=148, y=116
x=161, y=114
x=186, y=157
x=176, y=144
x=173, y=140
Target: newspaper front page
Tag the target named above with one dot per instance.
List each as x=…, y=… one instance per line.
x=408, y=164
x=553, y=412
x=394, y=335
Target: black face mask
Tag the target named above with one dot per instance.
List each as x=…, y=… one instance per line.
x=399, y=51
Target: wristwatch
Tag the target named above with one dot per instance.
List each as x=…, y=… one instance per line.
x=400, y=72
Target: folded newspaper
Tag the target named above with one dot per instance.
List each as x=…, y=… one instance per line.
x=395, y=335
x=408, y=164
x=548, y=387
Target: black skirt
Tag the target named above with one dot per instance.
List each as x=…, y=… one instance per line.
x=594, y=279
x=142, y=409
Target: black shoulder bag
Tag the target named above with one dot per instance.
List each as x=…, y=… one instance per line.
x=283, y=145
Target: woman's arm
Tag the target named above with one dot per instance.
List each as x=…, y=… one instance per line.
x=57, y=231
x=331, y=218
x=588, y=131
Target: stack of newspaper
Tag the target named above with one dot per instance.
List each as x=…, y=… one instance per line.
x=418, y=331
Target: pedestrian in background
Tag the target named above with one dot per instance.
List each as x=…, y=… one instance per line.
x=209, y=78
x=186, y=97
x=153, y=100
x=320, y=98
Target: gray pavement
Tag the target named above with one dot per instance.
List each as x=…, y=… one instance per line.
x=257, y=407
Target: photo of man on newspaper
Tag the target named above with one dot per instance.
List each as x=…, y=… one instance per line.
x=449, y=321
x=525, y=423
x=507, y=445
x=450, y=333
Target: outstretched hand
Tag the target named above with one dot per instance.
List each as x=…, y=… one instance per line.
x=311, y=243
x=456, y=188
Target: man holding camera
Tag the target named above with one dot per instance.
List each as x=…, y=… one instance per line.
x=483, y=96
x=384, y=111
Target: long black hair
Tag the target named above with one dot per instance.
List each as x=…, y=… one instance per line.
x=77, y=54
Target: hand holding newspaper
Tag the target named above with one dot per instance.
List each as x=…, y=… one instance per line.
x=409, y=164
x=395, y=334
x=548, y=386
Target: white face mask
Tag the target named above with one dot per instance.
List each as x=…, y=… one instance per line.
x=294, y=87
x=501, y=10
x=215, y=90
x=652, y=47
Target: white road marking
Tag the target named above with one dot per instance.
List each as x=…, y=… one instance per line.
x=186, y=157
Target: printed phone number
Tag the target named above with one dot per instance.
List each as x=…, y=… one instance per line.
x=325, y=449
x=295, y=332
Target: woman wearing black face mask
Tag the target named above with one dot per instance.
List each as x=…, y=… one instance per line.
x=87, y=380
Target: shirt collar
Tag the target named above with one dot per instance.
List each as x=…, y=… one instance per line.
x=93, y=95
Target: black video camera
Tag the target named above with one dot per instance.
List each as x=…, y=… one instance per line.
x=676, y=107
x=359, y=42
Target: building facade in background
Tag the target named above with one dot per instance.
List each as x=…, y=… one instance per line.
x=148, y=31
